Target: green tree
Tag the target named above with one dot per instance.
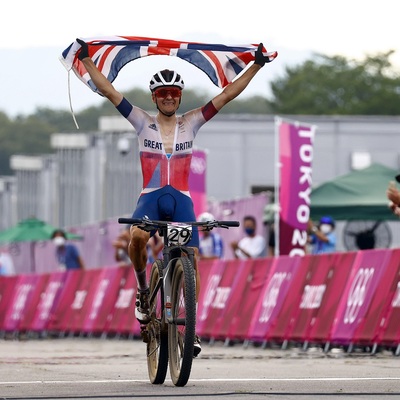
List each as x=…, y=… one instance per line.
x=338, y=86
x=23, y=136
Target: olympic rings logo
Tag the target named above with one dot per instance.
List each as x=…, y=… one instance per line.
x=198, y=165
x=357, y=294
x=271, y=296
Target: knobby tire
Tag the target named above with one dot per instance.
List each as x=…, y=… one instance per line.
x=181, y=336
x=157, y=346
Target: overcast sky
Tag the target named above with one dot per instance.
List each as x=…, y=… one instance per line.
x=34, y=33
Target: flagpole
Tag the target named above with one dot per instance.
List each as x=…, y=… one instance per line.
x=277, y=207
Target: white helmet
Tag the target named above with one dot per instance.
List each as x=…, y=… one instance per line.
x=166, y=77
x=205, y=216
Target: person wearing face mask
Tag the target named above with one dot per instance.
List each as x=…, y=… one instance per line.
x=67, y=254
x=211, y=245
x=322, y=237
x=252, y=245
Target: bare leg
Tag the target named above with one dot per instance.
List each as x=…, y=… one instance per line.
x=138, y=255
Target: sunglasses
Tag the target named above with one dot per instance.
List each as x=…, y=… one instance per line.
x=162, y=93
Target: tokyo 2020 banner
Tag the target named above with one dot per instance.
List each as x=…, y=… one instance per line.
x=295, y=143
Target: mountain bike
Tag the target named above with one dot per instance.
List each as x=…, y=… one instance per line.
x=170, y=333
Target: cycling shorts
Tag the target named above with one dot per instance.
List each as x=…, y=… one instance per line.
x=168, y=204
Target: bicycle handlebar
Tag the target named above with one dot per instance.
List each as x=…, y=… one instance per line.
x=154, y=224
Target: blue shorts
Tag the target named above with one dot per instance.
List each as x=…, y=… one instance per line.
x=168, y=204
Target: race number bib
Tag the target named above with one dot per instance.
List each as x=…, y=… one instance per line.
x=179, y=233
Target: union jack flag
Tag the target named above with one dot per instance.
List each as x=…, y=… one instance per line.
x=111, y=53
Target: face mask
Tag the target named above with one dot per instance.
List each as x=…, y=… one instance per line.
x=249, y=231
x=325, y=228
x=59, y=241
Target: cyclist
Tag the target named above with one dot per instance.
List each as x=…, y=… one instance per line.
x=211, y=245
x=165, y=145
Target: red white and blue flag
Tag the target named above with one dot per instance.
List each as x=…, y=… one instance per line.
x=111, y=53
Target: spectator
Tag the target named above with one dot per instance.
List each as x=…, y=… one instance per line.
x=322, y=237
x=269, y=222
x=67, y=254
x=6, y=264
x=252, y=245
x=155, y=246
x=121, y=246
x=211, y=244
x=271, y=240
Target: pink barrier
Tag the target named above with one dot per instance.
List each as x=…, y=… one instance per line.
x=382, y=303
x=249, y=289
x=70, y=299
x=345, y=298
x=312, y=302
x=205, y=315
x=48, y=302
x=102, y=299
x=339, y=266
x=266, y=311
x=7, y=290
x=368, y=268
x=388, y=332
x=121, y=319
x=223, y=302
x=23, y=301
x=32, y=303
x=290, y=299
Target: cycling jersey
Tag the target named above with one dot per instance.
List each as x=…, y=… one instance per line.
x=159, y=168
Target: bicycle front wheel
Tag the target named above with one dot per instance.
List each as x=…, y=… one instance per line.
x=157, y=344
x=182, y=328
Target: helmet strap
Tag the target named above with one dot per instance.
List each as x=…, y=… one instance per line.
x=167, y=115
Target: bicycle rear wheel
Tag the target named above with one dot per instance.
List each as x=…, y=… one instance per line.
x=182, y=329
x=157, y=331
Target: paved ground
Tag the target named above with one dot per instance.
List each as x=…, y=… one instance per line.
x=115, y=369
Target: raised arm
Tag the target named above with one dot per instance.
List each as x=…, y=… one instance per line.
x=105, y=87
x=235, y=88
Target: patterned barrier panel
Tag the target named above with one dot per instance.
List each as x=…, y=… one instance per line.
x=7, y=290
x=32, y=305
x=378, y=310
x=389, y=330
x=103, y=299
x=207, y=294
x=290, y=303
x=24, y=300
x=308, y=299
x=340, y=266
x=237, y=325
x=356, y=296
x=69, y=299
x=225, y=299
x=83, y=300
x=121, y=319
x=48, y=301
x=267, y=309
